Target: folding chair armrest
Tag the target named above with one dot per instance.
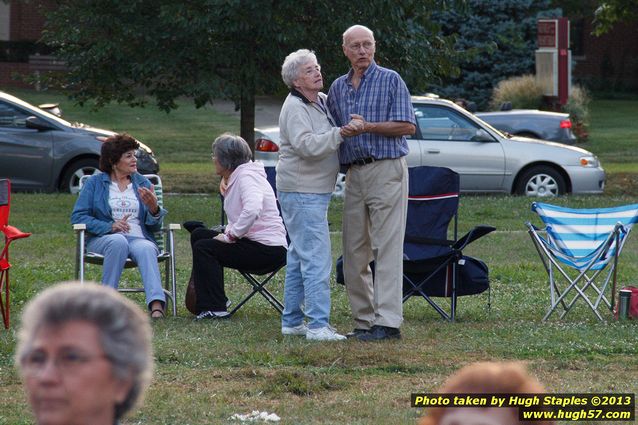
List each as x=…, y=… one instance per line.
x=79, y=227
x=530, y=226
x=428, y=241
x=171, y=228
x=621, y=227
x=474, y=234
x=169, y=236
x=13, y=233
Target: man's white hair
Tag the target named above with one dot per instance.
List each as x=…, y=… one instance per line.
x=347, y=32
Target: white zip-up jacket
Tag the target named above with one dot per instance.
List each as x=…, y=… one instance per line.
x=308, y=161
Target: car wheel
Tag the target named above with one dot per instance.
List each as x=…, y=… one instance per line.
x=71, y=180
x=541, y=181
x=340, y=186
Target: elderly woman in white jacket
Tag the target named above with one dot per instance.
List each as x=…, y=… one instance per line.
x=306, y=176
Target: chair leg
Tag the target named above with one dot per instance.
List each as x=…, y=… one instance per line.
x=418, y=289
x=80, y=251
x=167, y=286
x=454, y=266
x=4, y=299
x=259, y=287
x=173, y=278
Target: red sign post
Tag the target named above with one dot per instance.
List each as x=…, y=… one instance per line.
x=553, y=58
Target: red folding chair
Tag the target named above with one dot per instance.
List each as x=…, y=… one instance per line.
x=10, y=233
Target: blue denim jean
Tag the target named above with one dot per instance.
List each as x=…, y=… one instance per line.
x=116, y=248
x=309, y=258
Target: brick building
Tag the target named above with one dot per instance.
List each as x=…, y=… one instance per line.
x=21, y=25
x=606, y=62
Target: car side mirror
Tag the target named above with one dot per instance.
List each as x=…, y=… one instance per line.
x=482, y=136
x=37, y=123
x=52, y=108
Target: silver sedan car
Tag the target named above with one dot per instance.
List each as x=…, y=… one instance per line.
x=486, y=159
x=490, y=161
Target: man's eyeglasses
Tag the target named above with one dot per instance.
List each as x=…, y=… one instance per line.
x=65, y=362
x=367, y=46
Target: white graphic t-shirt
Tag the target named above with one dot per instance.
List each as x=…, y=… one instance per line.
x=126, y=203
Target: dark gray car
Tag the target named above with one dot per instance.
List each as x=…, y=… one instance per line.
x=554, y=126
x=42, y=152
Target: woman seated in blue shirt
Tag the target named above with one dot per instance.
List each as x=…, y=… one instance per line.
x=120, y=210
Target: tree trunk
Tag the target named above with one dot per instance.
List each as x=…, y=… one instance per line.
x=247, y=105
x=247, y=126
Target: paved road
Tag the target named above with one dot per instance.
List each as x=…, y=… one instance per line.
x=266, y=110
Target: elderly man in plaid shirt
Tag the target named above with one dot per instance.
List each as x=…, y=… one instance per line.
x=376, y=185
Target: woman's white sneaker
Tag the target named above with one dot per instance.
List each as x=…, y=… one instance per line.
x=299, y=330
x=327, y=333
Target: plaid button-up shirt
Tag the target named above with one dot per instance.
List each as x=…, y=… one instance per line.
x=382, y=96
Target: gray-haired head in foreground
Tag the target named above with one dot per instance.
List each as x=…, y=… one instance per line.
x=231, y=151
x=292, y=64
x=125, y=332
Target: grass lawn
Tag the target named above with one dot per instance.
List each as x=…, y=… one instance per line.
x=208, y=371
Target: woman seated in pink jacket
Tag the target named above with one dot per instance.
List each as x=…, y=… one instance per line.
x=255, y=236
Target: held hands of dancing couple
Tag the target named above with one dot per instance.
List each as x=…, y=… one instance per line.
x=355, y=127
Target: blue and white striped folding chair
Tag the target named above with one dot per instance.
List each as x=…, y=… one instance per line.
x=582, y=246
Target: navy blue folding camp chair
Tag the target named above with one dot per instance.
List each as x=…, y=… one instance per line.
x=434, y=264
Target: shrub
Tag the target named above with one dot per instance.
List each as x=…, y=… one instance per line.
x=522, y=92
x=577, y=107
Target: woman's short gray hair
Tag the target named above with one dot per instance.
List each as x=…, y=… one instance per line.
x=125, y=331
x=292, y=63
x=231, y=151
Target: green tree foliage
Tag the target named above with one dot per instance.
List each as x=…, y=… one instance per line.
x=611, y=11
x=498, y=38
x=131, y=50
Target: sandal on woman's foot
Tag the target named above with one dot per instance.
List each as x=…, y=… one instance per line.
x=157, y=310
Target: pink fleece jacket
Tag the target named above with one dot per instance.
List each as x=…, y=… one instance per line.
x=251, y=207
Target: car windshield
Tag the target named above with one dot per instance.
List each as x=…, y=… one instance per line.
x=492, y=128
x=446, y=120
x=441, y=122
